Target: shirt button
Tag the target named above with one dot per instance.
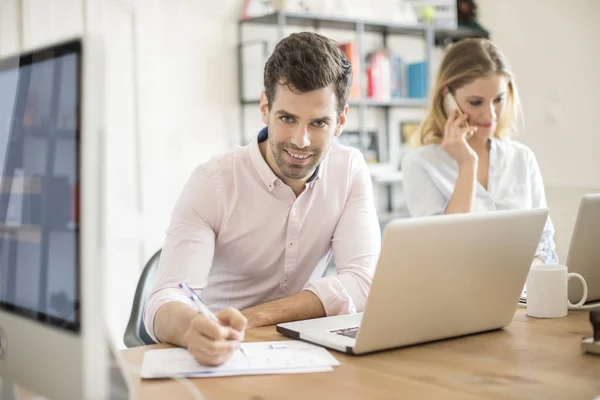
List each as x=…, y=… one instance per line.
x=286, y=280
x=291, y=243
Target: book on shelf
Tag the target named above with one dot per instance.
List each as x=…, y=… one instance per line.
x=379, y=75
x=398, y=79
x=389, y=77
x=417, y=80
x=351, y=52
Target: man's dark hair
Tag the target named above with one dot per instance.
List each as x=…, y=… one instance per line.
x=305, y=62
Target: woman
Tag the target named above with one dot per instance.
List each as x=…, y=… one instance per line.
x=466, y=161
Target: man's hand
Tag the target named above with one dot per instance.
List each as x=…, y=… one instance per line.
x=211, y=343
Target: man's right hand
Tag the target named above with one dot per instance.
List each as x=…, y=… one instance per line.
x=455, y=141
x=211, y=343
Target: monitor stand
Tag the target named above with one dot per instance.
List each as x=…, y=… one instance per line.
x=119, y=388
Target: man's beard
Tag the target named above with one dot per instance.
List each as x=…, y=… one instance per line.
x=293, y=171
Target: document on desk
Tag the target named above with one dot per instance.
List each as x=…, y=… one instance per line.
x=283, y=357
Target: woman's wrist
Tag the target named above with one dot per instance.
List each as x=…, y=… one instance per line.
x=468, y=166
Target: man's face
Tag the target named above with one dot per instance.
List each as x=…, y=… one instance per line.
x=301, y=128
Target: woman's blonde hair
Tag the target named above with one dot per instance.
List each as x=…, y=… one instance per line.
x=462, y=63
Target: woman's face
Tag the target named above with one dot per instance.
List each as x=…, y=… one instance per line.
x=483, y=100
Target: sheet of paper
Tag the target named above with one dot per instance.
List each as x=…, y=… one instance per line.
x=295, y=346
x=260, y=358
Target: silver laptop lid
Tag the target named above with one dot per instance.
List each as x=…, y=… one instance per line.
x=445, y=276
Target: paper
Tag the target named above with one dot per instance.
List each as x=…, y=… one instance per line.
x=284, y=357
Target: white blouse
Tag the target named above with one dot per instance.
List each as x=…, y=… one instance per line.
x=514, y=182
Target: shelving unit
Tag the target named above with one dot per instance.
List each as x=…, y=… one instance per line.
x=406, y=102
x=431, y=36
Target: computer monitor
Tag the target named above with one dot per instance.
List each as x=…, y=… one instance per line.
x=52, y=331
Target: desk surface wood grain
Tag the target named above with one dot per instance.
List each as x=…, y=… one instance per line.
x=529, y=359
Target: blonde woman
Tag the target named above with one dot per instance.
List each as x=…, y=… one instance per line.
x=466, y=160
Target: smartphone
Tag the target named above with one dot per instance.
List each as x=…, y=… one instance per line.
x=450, y=104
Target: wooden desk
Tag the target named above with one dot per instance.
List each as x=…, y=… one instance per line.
x=530, y=359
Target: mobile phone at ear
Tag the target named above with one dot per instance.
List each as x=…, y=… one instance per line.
x=450, y=105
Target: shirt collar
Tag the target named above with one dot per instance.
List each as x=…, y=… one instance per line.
x=260, y=164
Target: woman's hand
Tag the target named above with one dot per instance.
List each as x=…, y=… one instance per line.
x=455, y=140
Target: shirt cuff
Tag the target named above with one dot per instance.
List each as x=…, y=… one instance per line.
x=336, y=300
x=159, y=299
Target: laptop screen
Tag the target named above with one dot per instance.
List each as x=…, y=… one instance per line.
x=39, y=182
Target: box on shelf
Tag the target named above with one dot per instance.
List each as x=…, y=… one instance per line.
x=370, y=149
x=445, y=16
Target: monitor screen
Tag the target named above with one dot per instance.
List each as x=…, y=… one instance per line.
x=39, y=185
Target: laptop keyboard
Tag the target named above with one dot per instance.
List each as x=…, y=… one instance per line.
x=348, y=332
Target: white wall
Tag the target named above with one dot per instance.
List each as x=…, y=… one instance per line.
x=552, y=46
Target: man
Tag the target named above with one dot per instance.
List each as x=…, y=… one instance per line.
x=254, y=229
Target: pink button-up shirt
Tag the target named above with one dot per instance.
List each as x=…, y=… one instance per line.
x=240, y=237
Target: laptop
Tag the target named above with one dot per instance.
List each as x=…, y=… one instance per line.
x=584, y=250
x=437, y=278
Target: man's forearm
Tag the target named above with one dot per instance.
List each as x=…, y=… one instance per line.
x=300, y=306
x=464, y=191
x=172, y=321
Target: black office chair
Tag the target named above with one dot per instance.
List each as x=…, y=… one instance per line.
x=135, y=333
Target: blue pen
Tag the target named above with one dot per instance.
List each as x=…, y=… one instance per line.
x=203, y=308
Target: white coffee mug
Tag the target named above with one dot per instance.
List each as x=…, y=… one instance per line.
x=547, y=291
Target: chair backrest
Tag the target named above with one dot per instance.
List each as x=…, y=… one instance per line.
x=135, y=333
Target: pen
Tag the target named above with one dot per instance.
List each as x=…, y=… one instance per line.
x=199, y=303
x=204, y=310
